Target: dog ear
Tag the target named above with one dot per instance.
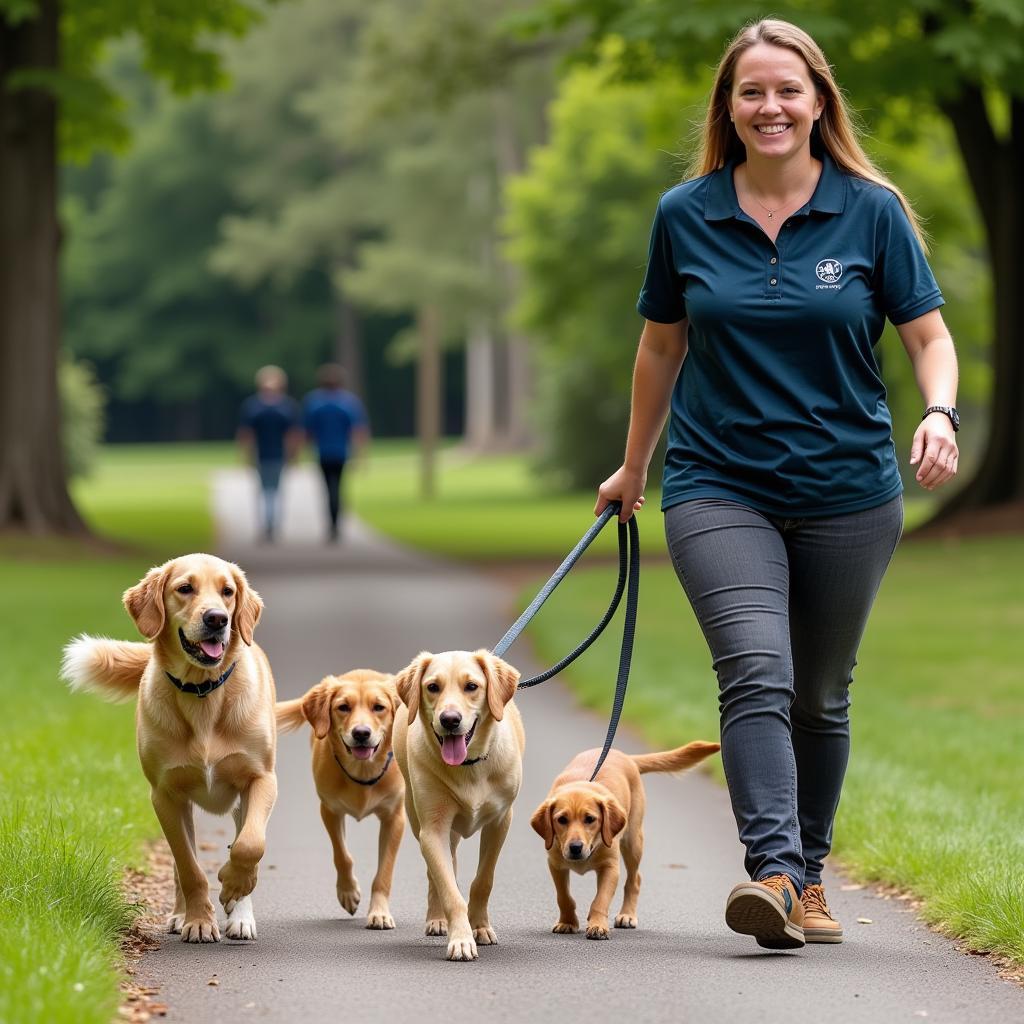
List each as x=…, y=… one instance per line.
x=409, y=680
x=248, y=606
x=316, y=706
x=392, y=691
x=542, y=823
x=501, y=682
x=145, y=601
x=613, y=820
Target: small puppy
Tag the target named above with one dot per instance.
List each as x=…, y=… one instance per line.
x=352, y=717
x=459, y=742
x=585, y=825
x=205, y=725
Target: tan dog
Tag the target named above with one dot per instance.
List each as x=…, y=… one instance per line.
x=205, y=726
x=459, y=742
x=586, y=824
x=352, y=718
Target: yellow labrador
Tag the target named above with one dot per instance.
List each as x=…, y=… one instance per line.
x=352, y=718
x=459, y=742
x=205, y=724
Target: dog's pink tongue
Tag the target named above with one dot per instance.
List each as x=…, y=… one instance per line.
x=212, y=648
x=453, y=749
x=363, y=753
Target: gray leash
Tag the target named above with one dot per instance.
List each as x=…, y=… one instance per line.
x=629, y=580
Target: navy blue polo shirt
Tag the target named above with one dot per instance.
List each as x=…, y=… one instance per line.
x=779, y=403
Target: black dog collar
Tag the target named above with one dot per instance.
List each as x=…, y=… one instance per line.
x=476, y=760
x=202, y=689
x=367, y=782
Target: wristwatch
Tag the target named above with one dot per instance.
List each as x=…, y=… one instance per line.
x=954, y=416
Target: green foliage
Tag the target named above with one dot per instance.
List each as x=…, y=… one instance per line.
x=82, y=403
x=578, y=225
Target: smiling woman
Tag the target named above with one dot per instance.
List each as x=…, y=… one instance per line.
x=769, y=280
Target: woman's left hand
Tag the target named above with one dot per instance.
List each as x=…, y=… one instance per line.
x=934, y=451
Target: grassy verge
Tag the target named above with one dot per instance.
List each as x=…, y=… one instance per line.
x=74, y=807
x=932, y=797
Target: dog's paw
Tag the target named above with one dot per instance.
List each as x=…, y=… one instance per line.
x=625, y=921
x=241, y=922
x=200, y=929
x=597, y=931
x=174, y=923
x=485, y=935
x=566, y=927
x=462, y=949
x=349, y=897
x=236, y=881
x=436, y=926
x=380, y=920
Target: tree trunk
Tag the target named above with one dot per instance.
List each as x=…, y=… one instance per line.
x=994, y=167
x=33, y=479
x=348, y=345
x=481, y=432
x=428, y=396
x=518, y=383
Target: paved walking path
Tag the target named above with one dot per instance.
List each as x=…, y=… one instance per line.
x=368, y=603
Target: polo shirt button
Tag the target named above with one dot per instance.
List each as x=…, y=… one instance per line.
x=774, y=280
x=773, y=260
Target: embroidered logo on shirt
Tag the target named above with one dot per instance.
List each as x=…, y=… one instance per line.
x=829, y=271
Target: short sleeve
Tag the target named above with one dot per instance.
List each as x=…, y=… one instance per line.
x=661, y=298
x=906, y=285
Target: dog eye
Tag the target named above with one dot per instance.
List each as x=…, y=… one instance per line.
x=344, y=707
x=378, y=707
x=470, y=687
x=589, y=819
x=563, y=819
x=433, y=688
x=227, y=592
x=185, y=588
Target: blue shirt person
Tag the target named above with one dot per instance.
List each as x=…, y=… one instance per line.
x=336, y=423
x=269, y=431
x=770, y=275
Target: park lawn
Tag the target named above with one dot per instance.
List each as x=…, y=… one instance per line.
x=74, y=806
x=932, y=799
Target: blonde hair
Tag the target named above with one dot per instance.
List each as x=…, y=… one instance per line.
x=835, y=129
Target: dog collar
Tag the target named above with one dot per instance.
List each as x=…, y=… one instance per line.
x=202, y=689
x=476, y=760
x=367, y=782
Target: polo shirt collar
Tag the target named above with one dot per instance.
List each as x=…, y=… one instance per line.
x=829, y=194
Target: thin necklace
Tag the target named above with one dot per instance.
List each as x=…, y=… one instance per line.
x=771, y=213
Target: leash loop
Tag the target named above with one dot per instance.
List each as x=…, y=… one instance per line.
x=628, y=581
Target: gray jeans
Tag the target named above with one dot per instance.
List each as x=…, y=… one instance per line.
x=783, y=604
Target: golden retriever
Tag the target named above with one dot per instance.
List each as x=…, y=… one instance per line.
x=459, y=742
x=586, y=824
x=352, y=718
x=205, y=725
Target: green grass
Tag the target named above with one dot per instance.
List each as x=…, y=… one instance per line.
x=932, y=798
x=74, y=806
x=485, y=509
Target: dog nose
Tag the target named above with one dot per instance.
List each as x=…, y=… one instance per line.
x=361, y=734
x=213, y=619
x=576, y=849
x=451, y=719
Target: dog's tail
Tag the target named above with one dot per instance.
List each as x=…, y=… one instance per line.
x=289, y=715
x=112, y=669
x=677, y=760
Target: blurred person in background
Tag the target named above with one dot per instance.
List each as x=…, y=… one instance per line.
x=269, y=432
x=336, y=423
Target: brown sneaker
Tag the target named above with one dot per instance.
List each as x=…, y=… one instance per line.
x=819, y=924
x=770, y=910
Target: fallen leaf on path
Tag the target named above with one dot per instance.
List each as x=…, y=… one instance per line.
x=864, y=920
